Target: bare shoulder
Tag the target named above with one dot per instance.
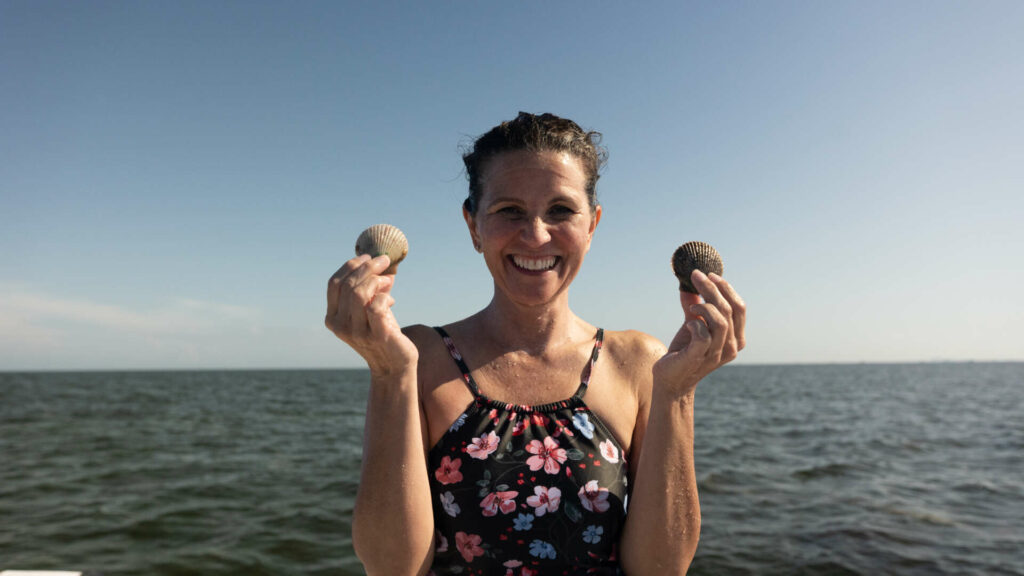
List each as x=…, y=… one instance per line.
x=421, y=335
x=632, y=351
x=434, y=358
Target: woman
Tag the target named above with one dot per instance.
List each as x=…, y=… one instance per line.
x=515, y=440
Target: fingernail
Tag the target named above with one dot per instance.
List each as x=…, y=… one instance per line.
x=695, y=309
x=714, y=277
x=698, y=273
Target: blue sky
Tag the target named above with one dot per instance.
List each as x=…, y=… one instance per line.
x=178, y=180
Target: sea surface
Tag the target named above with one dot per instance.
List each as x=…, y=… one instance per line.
x=913, y=469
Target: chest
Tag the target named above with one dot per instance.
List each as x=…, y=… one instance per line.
x=607, y=395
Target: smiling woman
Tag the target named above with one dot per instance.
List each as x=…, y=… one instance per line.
x=533, y=224
x=498, y=444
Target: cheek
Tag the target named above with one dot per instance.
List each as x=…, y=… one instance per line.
x=496, y=229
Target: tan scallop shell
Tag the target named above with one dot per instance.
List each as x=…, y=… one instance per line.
x=695, y=255
x=383, y=239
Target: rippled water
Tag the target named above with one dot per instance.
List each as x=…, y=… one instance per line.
x=811, y=470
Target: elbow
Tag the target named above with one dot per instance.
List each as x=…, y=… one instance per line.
x=390, y=554
x=688, y=546
x=669, y=555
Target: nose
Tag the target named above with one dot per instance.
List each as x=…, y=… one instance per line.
x=535, y=232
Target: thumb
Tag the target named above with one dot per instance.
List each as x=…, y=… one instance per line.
x=700, y=340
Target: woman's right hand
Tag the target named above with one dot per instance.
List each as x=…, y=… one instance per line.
x=359, y=313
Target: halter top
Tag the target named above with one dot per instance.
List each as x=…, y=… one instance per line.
x=527, y=490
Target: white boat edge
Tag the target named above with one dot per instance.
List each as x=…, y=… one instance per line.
x=38, y=573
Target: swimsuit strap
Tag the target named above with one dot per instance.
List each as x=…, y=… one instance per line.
x=589, y=368
x=468, y=378
x=460, y=362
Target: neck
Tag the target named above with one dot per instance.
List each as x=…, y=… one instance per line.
x=531, y=329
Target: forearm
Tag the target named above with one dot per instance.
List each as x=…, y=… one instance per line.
x=663, y=524
x=392, y=526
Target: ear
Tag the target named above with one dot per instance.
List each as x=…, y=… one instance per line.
x=594, y=219
x=471, y=224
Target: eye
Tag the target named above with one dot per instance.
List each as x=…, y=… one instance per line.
x=509, y=211
x=561, y=211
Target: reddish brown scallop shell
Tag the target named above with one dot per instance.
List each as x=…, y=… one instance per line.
x=695, y=255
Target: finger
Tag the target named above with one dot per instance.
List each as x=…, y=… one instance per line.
x=366, y=290
x=334, y=284
x=709, y=290
x=372, y=267
x=714, y=297
x=682, y=338
x=716, y=324
x=378, y=315
x=700, y=342
x=365, y=268
x=360, y=299
x=739, y=309
x=687, y=300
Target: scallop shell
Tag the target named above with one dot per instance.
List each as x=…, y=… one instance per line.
x=695, y=255
x=383, y=239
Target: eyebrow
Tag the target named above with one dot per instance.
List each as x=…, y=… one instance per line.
x=512, y=200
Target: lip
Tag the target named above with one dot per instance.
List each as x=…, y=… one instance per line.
x=531, y=272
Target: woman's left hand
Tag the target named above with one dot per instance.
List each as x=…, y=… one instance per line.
x=711, y=336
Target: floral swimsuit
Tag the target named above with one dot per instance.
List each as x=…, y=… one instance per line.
x=527, y=490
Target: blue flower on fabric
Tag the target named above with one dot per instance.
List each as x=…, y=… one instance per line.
x=582, y=423
x=458, y=423
x=523, y=522
x=542, y=549
x=592, y=535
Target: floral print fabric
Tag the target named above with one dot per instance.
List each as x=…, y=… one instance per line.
x=527, y=490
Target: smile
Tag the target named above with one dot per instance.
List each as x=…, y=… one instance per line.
x=535, y=264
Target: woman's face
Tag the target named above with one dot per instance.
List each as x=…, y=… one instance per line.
x=533, y=223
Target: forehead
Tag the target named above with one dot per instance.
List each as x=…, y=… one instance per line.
x=527, y=172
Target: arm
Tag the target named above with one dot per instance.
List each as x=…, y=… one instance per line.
x=663, y=524
x=392, y=524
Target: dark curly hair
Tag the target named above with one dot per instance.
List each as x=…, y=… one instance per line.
x=537, y=133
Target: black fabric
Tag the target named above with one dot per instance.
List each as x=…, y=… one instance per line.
x=527, y=490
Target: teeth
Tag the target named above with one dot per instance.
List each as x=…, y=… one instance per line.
x=534, y=263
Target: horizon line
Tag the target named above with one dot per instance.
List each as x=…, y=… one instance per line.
x=346, y=368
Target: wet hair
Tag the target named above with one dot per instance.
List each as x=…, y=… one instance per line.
x=536, y=133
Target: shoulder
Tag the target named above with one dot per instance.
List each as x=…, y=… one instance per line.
x=427, y=341
x=631, y=354
x=420, y=334
x=435, y=365
x=633, y=351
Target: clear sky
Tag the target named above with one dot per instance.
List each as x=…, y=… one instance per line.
x=178, y=180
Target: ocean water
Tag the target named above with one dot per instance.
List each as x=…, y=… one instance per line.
x=809, y=470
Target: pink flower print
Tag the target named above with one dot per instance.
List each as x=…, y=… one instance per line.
x=544, y=500
x=483, y=446
x=528, y=572
x=539, y=420
x=519, y=427
x=468, y=545
x=448, y=472
x=609, y=451
x=547, y=455
x=562, y=426
x=504, y=501
x=593, y=498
